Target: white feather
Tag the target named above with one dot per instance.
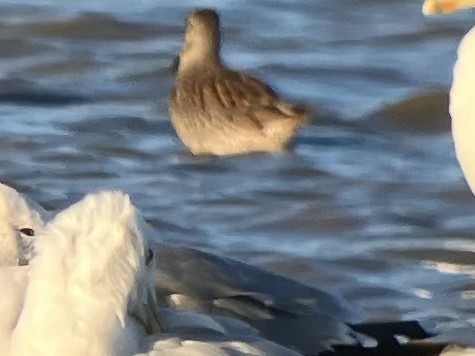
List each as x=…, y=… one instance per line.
x=455, y=350
x=13, y=281
x=462, y=107
x=16, y=214
x=215, y=345
x=87, y=271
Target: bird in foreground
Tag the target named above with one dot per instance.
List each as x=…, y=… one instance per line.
x=176, y=278
x=20, y=219
x=198, y=334
x=306, y=319
x=297, y=316
x=88, y=290
x=461, y=106
x=462, y=93
x=213, y=301
x=218, y=111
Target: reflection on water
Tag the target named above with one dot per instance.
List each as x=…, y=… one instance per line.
x=374, y=212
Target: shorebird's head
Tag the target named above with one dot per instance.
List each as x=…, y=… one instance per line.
x=19, y=223
x=202, y=39
x=442, y=7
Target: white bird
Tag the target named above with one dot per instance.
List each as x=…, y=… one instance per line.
x=462, y=93
x=19, y=221
x=284, y=311
x=88, y=291
x=461, y=108
x=88, y=268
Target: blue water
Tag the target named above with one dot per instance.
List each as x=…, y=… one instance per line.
x=381, y=216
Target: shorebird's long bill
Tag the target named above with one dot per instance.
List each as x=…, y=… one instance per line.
x=443, y=7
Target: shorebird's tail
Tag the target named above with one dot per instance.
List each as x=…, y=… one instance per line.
x=282, y=121
x=300, y=113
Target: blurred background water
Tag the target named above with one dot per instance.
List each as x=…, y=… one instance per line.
x=370, y=203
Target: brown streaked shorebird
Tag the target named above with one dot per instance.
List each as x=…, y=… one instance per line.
x=218, y=111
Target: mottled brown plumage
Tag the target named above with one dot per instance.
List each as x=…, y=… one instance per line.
x=217, y=111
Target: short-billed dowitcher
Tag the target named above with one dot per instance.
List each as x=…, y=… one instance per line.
x=218, y=111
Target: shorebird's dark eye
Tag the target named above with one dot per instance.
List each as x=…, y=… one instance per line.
x=27, y=231
x=149, y=257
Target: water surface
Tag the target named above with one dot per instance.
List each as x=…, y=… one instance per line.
x=381, y=216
